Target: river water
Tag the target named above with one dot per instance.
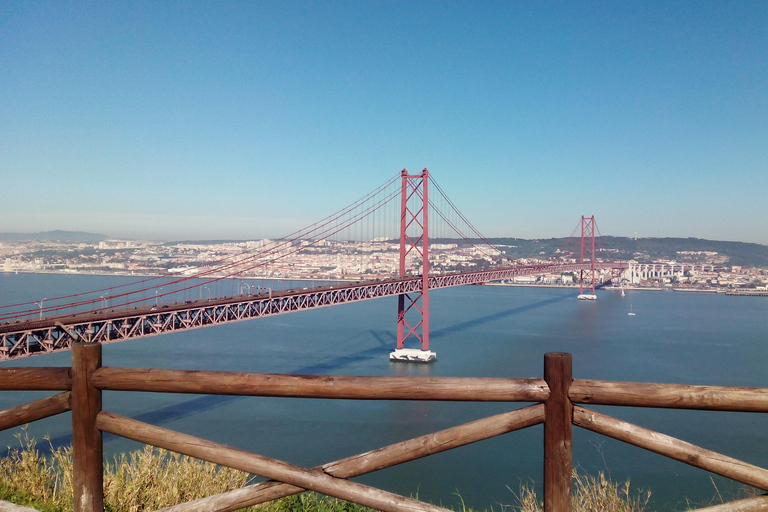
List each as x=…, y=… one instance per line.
x=489, y=331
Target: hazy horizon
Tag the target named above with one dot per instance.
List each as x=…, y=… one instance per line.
x=258, y=238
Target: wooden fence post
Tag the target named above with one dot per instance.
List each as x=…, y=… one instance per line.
x=558, y=428
x=88, y=477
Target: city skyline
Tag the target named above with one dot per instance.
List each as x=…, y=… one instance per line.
x=247, y=121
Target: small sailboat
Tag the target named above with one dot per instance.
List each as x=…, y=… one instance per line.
x=630, y=311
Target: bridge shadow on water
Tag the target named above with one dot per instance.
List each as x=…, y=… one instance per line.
x=386, y=341
x=496, y=316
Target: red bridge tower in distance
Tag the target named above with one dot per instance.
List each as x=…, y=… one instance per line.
x=587, y=277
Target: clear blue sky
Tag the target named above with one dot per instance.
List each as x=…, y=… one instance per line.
x=186, y=119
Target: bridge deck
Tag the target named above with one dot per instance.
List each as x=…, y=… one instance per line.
x=54, y=334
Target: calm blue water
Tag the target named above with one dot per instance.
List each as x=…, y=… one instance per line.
x=476, y=331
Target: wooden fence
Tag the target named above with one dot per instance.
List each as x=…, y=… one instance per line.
x=555, y=396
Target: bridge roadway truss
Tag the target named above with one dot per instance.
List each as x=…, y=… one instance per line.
x=48, y=335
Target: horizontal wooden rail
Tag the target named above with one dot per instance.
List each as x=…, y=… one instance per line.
x=385, y=457
x=429, y=444
x=671, y=447
x=33, y=411
x=674, y=396
x=321, y=386
x=260, y=465
x=754, y=504
x=35, y=379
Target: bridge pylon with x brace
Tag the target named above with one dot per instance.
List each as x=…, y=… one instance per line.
x=587, y=277
x=413, y=308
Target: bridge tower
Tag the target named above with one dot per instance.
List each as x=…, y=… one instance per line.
x=588, y=249
x=413, y=308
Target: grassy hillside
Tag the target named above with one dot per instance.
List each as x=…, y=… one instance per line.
x=641, y=249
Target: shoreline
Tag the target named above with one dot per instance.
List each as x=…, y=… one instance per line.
x=734, y=292
x=731, y=292
x=609, y=288
x=171, y=276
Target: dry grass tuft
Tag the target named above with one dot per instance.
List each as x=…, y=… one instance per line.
x=146, y=479
x=153, y=478
x=29, y=478
x=591, y=494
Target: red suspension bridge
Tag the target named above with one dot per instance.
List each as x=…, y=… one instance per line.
x=402, y=208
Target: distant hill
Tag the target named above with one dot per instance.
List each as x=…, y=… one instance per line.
x=54, y=236
x=683, y=250
x=738, y=253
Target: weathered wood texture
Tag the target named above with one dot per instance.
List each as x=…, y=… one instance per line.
x=35, y=379
x=675, y=396
x=12, y=507
x=671, y=447
x=377, y=459
x=437, y=442
x=755, y=504
x=87, y=448
x=558, y=430
x=260, y=465
x=33, y=411
x=321, y=386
